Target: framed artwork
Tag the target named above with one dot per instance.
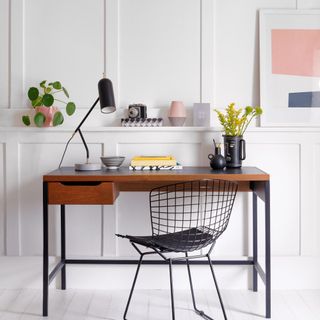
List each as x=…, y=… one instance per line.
x=290, y=67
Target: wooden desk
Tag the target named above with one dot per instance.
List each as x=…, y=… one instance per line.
x=66, y=186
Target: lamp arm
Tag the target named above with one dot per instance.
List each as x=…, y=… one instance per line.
x=85, y=144
x=86, y=116
x=78, y=130
x=81, y=123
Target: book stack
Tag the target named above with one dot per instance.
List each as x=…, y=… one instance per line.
x=154, y=163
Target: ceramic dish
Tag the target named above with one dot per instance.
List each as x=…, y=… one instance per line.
x=112, y=163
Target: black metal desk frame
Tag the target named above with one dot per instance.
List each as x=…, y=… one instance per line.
x=260, y=189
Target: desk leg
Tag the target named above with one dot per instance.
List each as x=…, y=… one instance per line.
x=63, y=247
x=45, y=251
x=255, y=241
x=267, y=248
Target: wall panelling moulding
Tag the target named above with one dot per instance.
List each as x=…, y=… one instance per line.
x=4, y=53
x=75, y=53
x=2, y=200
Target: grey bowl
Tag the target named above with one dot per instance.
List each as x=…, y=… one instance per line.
x=112, y=163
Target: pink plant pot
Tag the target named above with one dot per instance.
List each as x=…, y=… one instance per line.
x=177, y=109
x=48, y=112
x=177, y=113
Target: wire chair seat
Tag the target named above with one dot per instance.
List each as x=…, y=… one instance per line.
x=181, y=241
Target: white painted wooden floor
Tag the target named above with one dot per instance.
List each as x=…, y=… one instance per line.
x=155, y=304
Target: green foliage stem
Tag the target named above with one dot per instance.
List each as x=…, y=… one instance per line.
x=236, y=121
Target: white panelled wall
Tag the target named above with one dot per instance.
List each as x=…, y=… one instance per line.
x=154, y=52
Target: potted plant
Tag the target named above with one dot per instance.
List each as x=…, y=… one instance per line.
x=43, y=100
x=235, y=122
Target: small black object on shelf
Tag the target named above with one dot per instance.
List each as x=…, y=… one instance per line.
x=137, y=111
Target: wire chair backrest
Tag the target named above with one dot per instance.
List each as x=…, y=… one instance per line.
x=196, y=212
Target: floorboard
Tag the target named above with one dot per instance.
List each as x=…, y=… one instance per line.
x=156, y=305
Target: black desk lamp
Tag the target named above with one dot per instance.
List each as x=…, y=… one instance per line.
x=107, y=105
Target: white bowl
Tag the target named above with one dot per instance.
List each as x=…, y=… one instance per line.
x=112, y=163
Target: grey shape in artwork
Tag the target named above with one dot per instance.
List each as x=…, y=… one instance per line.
x=304, y=99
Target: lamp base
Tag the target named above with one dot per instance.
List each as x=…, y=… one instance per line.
x=87, y=166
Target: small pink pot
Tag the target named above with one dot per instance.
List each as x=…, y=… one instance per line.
x=48, y=112
x=177, y=109
x=177, y=113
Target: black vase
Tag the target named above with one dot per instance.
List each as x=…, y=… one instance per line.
x=234, y=151
x=217, y=161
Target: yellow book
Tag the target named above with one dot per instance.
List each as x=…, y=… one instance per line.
x=153, y=158
x=143, y=161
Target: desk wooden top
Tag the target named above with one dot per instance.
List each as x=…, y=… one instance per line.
x=124, y=175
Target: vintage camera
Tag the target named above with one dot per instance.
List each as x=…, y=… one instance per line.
x=137, y=111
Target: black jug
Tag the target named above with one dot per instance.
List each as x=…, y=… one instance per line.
x=234, y=151
x=217, y=160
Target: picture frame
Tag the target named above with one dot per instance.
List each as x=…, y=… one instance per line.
x=290, y=67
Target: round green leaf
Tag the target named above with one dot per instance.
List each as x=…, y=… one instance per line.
x=65, y=92
x=43, y=83
x=33, y=93
x=57, y=119
x=39, y=119
x=37, y=102
x=47, y=90
x=26, y=120
x=57, y=85
x=48, y=100
x=70, y=108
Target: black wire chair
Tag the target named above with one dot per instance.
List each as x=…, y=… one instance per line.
x=186, y=217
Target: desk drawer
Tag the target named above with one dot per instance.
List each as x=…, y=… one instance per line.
x=82, y=193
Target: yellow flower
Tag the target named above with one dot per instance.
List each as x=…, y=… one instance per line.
x=236, y=121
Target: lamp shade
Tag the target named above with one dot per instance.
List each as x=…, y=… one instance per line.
x=106, y=96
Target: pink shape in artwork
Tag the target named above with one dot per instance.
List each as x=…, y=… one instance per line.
x=296, y=52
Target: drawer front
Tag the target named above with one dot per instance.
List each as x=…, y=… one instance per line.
x=82, y=193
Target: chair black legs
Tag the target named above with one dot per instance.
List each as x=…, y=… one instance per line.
x=133, y=285
x=199, y=312
x=171, y=289
x=216, y=284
